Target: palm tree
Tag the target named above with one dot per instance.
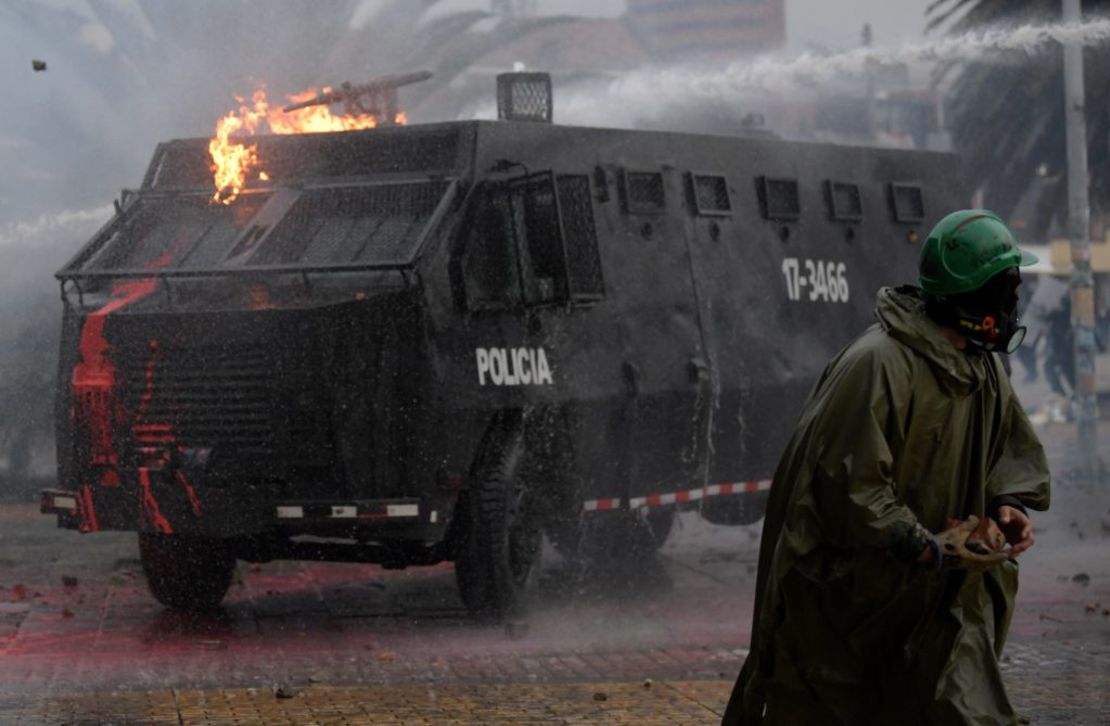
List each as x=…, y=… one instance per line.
x=1007, y=121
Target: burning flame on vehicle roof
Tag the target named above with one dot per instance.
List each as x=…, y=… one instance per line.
x=366, y=106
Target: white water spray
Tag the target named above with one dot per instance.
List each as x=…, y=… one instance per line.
x=648, y=94
x=66, y=227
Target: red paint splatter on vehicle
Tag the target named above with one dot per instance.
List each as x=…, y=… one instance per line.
x=194, y=501
x=87, y=511
x=158, y=435
x=96, y=412
x=148, y=383
x=94, y=376
x=150, y=504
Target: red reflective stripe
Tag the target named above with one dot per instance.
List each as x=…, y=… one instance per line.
x=685, y=495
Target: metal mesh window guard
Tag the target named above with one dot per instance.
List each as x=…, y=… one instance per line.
x=710, y=194
x=183, y=231
x=643, y=191
x=538, y=221
x=358, y=224
x=845, y=202
x=545, y=223
x=779, y=198
x=489, y=267
x=583, y=263
x=524, y=97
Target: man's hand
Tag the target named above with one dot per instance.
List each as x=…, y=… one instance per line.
x=971, y=544
x=1017, y=527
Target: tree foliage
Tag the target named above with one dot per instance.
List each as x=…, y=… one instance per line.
x=1007, y=117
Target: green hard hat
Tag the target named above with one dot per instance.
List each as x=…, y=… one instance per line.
x=965, y=249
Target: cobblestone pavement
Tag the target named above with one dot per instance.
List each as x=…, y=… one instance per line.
x=661, y=702
x=81, y=642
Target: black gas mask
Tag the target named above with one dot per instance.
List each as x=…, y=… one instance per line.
x=987, y=317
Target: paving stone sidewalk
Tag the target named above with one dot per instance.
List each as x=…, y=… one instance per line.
x=312, y=643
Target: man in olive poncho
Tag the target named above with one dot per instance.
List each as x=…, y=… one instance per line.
x=860, y=618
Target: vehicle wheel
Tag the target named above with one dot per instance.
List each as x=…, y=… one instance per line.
x=565, y=533
x=501, y=540
x=186, y=573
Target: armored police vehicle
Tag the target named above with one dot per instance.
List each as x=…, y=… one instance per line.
x=437, y=342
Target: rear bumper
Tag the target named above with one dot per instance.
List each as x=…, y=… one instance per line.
x=63, y=504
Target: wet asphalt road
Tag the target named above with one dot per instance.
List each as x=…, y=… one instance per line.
x=74, y=613
x=75, y=618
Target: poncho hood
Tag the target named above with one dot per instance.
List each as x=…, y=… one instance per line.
x=901, y=313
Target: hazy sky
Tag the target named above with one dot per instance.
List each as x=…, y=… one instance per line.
x=832, y=23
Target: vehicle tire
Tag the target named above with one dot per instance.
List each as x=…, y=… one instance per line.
x=501, y=539
x=186, y=573
x=468, y=576
x=565, y=533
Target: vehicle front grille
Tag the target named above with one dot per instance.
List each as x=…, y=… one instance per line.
x=199, y=397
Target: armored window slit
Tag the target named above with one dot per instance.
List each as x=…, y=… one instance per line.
x=779, y=198
x=907, y=203
x=844, y=201
x=709, y=193
x=643, y=192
